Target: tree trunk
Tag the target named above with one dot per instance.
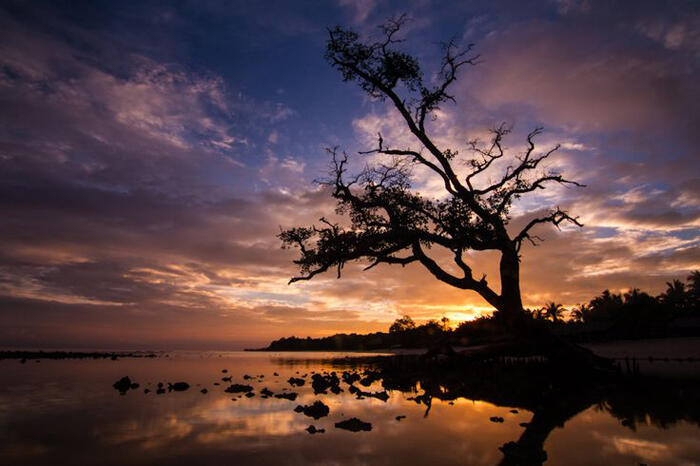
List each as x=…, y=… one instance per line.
x=530, y=333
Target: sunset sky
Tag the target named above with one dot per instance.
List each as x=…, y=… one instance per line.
x=149, y=154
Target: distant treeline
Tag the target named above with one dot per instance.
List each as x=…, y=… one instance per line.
x=609, y=316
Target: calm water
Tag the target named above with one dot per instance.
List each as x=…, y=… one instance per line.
x=66, y=412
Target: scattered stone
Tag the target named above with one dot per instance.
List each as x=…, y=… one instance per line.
x=124, y=384
x=296, y=382
x=217, y=383
x=496, y=419
x=247, y=377
x=291, y=396
x=266, y=392
x=524, y=424
x=370, y=377
x=316, y=410
x=178, y=386
x=351, y=377
x=398, y=418
x=250, y=395
x=204, y=391
x=384, y=396
x=451, y=403
x=224, y=371
x=275, y=374
x=514, y=411
x=238, y=388
x=321, y=383
x=313, y=430
x=146, y=391
x=226, y=379
x=354, y=425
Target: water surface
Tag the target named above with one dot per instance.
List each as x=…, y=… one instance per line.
x=66, y=412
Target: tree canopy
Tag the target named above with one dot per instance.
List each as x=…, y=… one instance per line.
x=389, y=221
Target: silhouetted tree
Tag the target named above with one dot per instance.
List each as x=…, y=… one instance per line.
x=403, y=324
x=553, y=311
x=391, y=223
x=675, y=298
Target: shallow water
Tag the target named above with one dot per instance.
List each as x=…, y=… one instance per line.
x=66, y=412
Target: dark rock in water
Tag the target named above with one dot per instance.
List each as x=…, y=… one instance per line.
x=398, y=418
x=370, y=377
x=313, y=430
x=238, y=388
x=321, y=383
x=316, y=410
x=250, y=395
x=146, y=391
x=451, y=403
x=296, y=382
x=275, y=374
x=217, y=383
x=160, y=391
x=514, y=411
x=247, y=377
x=291, y=396
x=524, y=424
x=226, y=379
x=354, y=425
x=160, y=384
x=178, y=386
x=134, y=386
x=223, y=371
x=123, y=385
x=266, y=392
x=384, y=396
x=351, y=377
x=496, y=419
x=204, y=391
x=114, y=357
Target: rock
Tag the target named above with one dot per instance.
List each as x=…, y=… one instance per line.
x=266, y=392
x=496, y=419
x=217, y=383
x=316, y=410
x=350, y=377
x=398, y=418
x=238, y=388
x=313, y=430
x=226, y=379
x=275, y=374
x=224, y=371
x=514, y=411
x=122, y=385
x=247, y=377
x=146, y=391
x=291, y=396
x=178, y=386
x=370, y=377
x=384, y=396
x=296, y=382
x=524, y=424
x=160, y=391
x=250, y=395
x=321, y=383
x=204, y=391
x=354, y=425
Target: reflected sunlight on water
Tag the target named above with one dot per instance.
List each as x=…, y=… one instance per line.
x=66, y=412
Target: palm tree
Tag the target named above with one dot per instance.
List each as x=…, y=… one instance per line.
x=581, y=313
x=676, y=296
x=553, y=311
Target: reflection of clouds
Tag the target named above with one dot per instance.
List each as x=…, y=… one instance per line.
x=648, y=450
x=151, y=434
